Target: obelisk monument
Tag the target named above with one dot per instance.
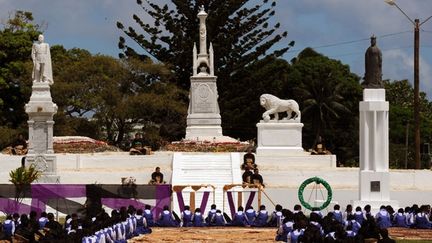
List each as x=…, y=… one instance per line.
x=203, y=120
x=41, y=110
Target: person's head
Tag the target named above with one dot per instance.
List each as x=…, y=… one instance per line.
x=400, y=210
x=358, y=209
x=373, y=40
x=139, y=212
x=249, y=207
x=367, y=208
x=166, y=208
x=197, y=210
x=262, y=207
x=218, y=211
x=384, y=233
x=278, y=208
x=297, y=207
x=249, y=150
x=256, y=171
x=336, y=207
x=15, y=216
x=158, y=179
x=147, y=207
x=349, y=208
x=248, y=179
x=50, y=216
x=240, y=208
x=407, y=209
x=43, y=214
x=137, y=135
x=9, y=217
x=213, y=206
x=383, y=207
x=186, y=207
x=157, y=169
x=33, y=214
x=41, y=38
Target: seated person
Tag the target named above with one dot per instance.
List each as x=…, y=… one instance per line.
x=249, y=160
x=218, y=219
x=262, y=217
x=19, y=146
x=186, y=217
x=166, y=218
x=198, y=219
x=157, y=177
x=256, y=178
x=247, y=175
x=137, y=145
x=239, y=218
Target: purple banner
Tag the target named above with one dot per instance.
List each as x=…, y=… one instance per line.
x=231, y=203
x=204, y=201
x=180, y=200
x=250, y=199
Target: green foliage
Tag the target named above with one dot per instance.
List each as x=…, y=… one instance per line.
x=16, y=39
x=8, y=135
x=116, y=94
x=241, y=33
x=24, y=175
x=400, y=95
x=328, y=94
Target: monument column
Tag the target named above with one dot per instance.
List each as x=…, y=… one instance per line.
x=41, y=110
x=203, y=119
x=374, y=177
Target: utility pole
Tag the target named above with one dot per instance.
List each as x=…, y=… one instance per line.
x=417, y=93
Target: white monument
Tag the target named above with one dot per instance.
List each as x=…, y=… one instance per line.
x=374, y=179
x=204, y=120
x=41, y=110
x=279, y=137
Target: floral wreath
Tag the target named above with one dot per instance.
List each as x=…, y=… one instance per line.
x=317, y=180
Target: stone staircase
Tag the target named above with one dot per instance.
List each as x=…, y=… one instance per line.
x=217, y=169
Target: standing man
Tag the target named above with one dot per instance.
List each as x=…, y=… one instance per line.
x=41, y=56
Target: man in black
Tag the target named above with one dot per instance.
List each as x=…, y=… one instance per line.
x=157, y=173
x=256, y=178
x=247, y=174
x=137, y=145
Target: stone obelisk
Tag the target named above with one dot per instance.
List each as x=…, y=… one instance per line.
x=374, y=178
x=41, y=110
x=203, y=120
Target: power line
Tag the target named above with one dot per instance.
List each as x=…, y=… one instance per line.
x=362, y=52
x=352, y=41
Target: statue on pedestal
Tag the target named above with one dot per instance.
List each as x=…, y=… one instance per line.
x=41, y=56
x=274, y=106
x=373, y=67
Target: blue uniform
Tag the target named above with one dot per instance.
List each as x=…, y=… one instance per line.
x=239, y=219
x=400, y=220
x=218, y=220
x=276, y=219
x=210, y=215
x=250, y=215
x=359, y=217
x=149, y=218
x=198, y=220
x=187, y=218
x=294, y=235
x=337, y=215
x=422, y=221
x=42, y=222
x=283, y=231
x=383, y=219
x=261, y=219
x=141, y=226
x=166, y=219
x=9, y=227
x=354, y=224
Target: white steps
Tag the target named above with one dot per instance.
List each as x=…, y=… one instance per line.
x=217, y=169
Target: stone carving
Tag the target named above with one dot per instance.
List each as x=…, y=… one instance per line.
x=41, y=56
x=274, y=105
x=373, y=67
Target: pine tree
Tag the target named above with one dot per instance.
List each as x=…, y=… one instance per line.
x=240, y=31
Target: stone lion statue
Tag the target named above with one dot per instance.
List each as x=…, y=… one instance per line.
x=274, y=106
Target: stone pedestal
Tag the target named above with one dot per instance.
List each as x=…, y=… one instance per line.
x=41, y=110
x=374, y=188
x=279, y=138
x=203, y=118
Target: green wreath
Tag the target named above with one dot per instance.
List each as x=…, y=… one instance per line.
x=317, y=180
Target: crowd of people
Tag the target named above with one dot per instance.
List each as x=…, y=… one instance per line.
x=291, y=226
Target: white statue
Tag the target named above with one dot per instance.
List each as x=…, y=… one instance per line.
x=41, y=56
x=274, y=106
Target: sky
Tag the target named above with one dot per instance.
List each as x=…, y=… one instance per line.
x=339, y=29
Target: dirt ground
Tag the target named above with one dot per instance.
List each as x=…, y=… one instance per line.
x=233, y=234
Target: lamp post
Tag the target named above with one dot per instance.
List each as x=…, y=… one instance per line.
x=417, y=25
